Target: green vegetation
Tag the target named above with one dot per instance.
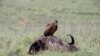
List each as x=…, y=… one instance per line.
x=23, y=21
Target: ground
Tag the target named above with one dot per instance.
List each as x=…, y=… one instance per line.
x=23, y=21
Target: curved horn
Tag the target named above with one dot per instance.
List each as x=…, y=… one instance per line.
x=56, y=21
x=72, y=38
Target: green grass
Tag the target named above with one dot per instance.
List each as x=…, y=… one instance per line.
x=23, y=21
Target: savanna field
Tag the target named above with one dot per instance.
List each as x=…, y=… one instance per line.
x=23, y=21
